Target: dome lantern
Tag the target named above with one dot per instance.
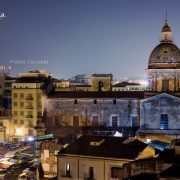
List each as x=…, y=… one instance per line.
x=166, y=34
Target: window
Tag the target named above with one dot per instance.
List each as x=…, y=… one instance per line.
x=76, y=121
x=164, y=121
x=15, y=113
x=94, y=120
x=116, y=172
x=22, y=113
x=15, y=121
x=165, y=85
x=68, y=170
x=114, y=121
x=133, y=121
x=21, y=95
x=95, y=101
x=21, y=104
x=21, y=122
x=100, y=85
x=15, y=103
x=57, y=121
x=91, y=173
x=30, y=123
x=166, y=36
x=15, y=95
x=114, y=101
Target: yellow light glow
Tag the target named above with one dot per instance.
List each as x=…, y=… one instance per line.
x=19, y=132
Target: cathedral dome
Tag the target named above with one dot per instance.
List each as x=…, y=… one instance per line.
x=165, y=53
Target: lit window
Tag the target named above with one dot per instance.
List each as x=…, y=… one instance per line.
x=68, y=170
x=164, y=121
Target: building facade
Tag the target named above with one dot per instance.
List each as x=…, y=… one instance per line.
x=92, y=109
x=27, y=103
x=164, y=64
x=154, y=110
x=103, y=157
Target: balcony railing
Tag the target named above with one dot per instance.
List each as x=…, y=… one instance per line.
x=29, y=107
x=29, y=116
x=29, y=98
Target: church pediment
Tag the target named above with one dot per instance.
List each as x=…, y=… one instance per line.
x=161, y=96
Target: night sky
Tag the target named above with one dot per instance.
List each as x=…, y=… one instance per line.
x=84, y=36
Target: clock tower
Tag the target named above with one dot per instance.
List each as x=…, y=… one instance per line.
x=164, y=64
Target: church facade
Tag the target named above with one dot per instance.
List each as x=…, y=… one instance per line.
x=156, y=111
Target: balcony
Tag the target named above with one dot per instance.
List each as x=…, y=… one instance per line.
x=29, y=107
x=29, y=116
x=29, y=98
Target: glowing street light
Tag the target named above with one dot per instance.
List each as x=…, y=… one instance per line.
x=19, y=132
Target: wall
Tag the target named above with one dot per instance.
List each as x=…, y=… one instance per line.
x=152, y=108
x=80, y=167
x=61, y=111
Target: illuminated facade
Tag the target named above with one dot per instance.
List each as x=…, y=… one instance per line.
x=27, y=103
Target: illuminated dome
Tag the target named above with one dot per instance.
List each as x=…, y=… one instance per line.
x=166, y=54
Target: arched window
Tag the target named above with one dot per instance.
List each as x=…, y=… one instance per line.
x=100, y=85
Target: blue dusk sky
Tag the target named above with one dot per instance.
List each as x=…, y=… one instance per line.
x=72, y=37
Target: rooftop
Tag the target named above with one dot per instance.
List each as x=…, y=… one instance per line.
x=96, y=94
x=124, y=84
x=104, y=146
